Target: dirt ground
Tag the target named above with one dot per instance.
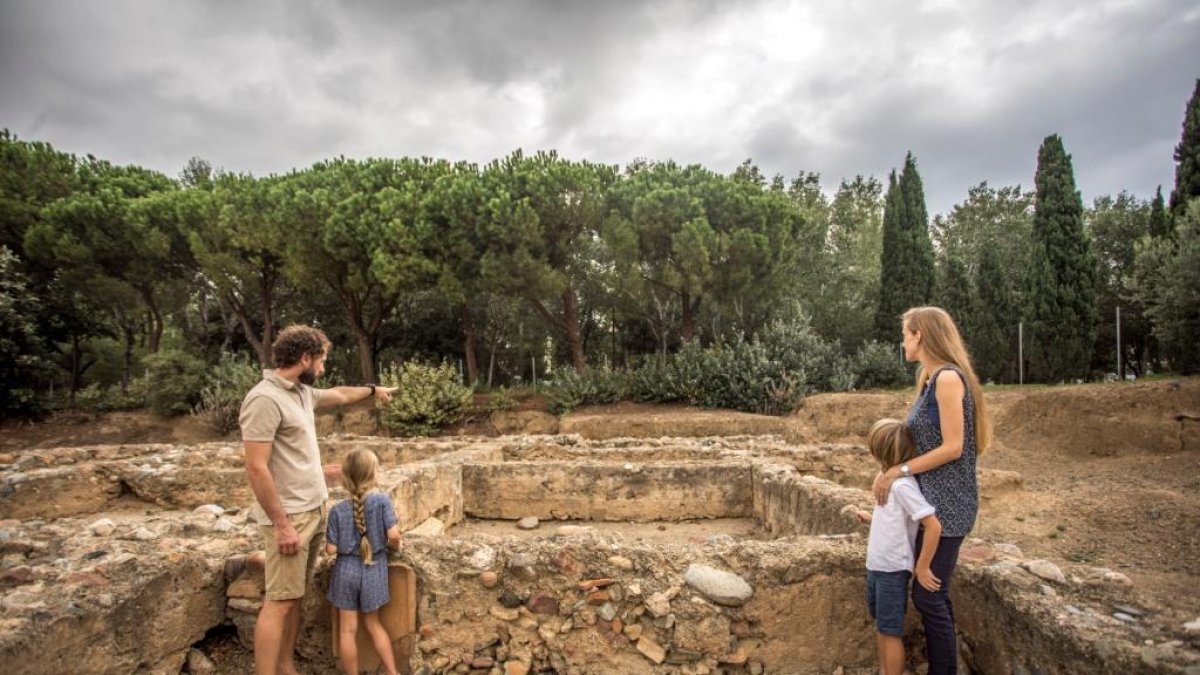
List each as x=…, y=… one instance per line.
x=1111, y=473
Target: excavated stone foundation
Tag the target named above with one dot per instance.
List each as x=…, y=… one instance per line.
x=734, y=554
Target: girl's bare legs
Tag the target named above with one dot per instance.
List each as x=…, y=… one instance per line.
x=347, y=646
x=383, y=643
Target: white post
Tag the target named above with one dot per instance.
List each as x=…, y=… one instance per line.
x=1021, y=352
x=533, y=369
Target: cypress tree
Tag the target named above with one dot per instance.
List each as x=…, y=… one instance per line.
x=906, y=262
x=1160, y=224
x=1063, y=284
x=993, y=340
x=1187, y=158
x=956, y=293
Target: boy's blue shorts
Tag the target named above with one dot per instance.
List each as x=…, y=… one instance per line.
x=887, y=600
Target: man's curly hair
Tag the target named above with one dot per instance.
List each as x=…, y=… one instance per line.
x=295, y=341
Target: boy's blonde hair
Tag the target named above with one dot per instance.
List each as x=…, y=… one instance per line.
x=358, y=475
x=891, y=443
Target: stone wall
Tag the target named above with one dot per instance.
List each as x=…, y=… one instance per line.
x=576, y=491
x=786, y=502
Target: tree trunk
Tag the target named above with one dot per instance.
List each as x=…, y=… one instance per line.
x=571, y=319
x=365, y=363
x=129, y=340
x=689, y=323
x=469, y=342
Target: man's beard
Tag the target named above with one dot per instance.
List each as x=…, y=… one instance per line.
x=308, y=377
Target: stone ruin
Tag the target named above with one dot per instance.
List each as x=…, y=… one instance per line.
x=711, y=555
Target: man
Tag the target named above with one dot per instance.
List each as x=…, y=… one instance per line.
x=283, y=465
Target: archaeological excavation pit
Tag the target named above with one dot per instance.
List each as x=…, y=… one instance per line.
x=707, y=555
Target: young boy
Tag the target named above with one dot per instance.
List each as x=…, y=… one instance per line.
x=892, y=541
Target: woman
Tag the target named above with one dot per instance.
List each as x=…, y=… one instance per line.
x=950, y=425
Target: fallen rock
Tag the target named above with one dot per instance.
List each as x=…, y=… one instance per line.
x=723, y=588
x=651, y=649
x=1046, y=570
x=103, y=527
x=620, y=562
x=528, y=523
x=198, y=663
x=432, y=527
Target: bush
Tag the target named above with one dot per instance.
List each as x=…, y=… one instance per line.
x=428, y=398
x=740, y=375
x=221, y=398
x=878, y=366
x=570, y=389
x=799, y=349
x=174, y=380
x=743, y=376
x=681, y=378
x=98, y=397
x=502, y=400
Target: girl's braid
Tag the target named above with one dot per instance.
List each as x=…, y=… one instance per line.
x=360, y=523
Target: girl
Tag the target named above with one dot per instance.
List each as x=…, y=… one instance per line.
x=890, y=546
x=360, y=531
x=951, y=428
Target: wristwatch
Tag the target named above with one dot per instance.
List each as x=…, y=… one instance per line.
x=372, y=387
x=905, y=471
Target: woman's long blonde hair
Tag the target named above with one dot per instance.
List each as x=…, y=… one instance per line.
x=358, y=475
x=942, y=341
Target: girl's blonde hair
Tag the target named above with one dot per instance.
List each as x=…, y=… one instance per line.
x=943, y=342
x=891, y=443
x=358, y=475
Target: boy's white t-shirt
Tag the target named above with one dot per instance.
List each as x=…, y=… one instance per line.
x=894, y=528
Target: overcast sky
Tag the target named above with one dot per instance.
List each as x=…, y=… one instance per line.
x=840, y=87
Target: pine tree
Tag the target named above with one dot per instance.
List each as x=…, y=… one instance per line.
x=1187, y=158
x=1063, y=283
x=906, y=262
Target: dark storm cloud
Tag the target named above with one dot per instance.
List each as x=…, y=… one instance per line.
x=838, y=87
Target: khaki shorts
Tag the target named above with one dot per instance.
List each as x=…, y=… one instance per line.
x=289, y=575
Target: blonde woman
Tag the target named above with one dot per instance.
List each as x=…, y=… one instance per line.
x=360, y=531
x=951, y=428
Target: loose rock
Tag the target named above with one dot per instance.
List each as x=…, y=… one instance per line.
x=723, y=588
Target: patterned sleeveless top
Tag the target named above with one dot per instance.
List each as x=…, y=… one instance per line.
x=952, y=488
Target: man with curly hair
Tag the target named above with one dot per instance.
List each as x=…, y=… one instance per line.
x=283, y=465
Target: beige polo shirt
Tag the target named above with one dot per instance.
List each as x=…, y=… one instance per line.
x=282, y=412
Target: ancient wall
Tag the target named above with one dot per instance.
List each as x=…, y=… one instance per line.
x=602, y=491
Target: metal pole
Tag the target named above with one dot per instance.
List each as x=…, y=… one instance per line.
x=1120, y=365
x=1021, y=352
x=533, y=369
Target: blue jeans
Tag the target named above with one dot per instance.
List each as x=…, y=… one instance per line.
x=887, y=599
x=937, y=613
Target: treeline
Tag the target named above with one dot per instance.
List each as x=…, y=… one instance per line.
x=118, y=279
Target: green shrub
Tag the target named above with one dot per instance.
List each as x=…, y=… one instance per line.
x=680, y=378
x=428, y=398
x=569, y=389
x=98, y=397
x=799, y=349
x=501, y=400
x=221, y=398
x=743, y=376
x=878, y=366
x=174, y=380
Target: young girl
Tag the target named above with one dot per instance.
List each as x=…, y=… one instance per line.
x=890, y=546
x=360, y=531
